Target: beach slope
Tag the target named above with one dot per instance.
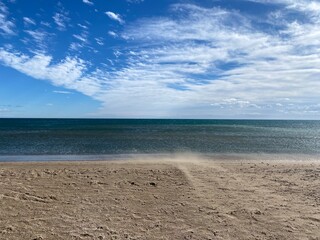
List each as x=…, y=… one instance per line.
x=174, y=198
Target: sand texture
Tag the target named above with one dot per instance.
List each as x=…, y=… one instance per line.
x=184, y=198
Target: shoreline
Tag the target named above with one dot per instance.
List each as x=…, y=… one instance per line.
x=159, y=156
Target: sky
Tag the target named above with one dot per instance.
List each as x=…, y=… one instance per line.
x=238, y=59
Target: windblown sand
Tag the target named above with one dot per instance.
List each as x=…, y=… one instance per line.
x=160, y=199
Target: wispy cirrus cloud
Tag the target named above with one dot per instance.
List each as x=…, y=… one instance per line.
x=39, y=37
x=67, y=73
x=6, y=25
x=135, y=1
x=203, y=62
x=83, y=37
x=28, y=21
x=305, y=6
x=82, y=40
x=62, y=92
x=99, y=41
x=112, y=33
x=61, y=19
x=115, y=17
x=87, y=2
x=82, y=26
x=213, y=58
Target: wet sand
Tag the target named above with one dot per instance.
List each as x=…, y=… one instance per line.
x=168, y=198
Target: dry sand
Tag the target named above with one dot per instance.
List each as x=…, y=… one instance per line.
x=177, y=198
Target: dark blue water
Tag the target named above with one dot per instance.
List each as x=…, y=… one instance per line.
x=112, y=136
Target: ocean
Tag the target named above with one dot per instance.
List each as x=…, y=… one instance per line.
x=96, y=137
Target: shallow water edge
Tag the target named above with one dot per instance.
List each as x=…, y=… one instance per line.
x=159, y=157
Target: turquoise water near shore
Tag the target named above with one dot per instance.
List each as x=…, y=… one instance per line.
x=145, y=136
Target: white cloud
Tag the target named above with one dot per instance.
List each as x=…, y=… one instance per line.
x=28, y=21
x=82, y=26
x=266, y=68
x=135, y=1
x=46, y=24
x=62, y=92
x=61, y=19
x=115, y=17
x=204, y=62
x=82, y=37
x=113, y=34
x=82, y=41
x=76, y=46
x=87, y=2
x=67, y=73
x=39, y=37
x=6, y=25
x=99, y=41
x=309, y=7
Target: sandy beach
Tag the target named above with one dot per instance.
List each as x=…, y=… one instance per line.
x=168, y=198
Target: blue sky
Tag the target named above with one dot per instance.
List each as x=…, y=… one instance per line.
x=255, y=59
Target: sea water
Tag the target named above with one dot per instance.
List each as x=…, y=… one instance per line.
x=80, y=137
